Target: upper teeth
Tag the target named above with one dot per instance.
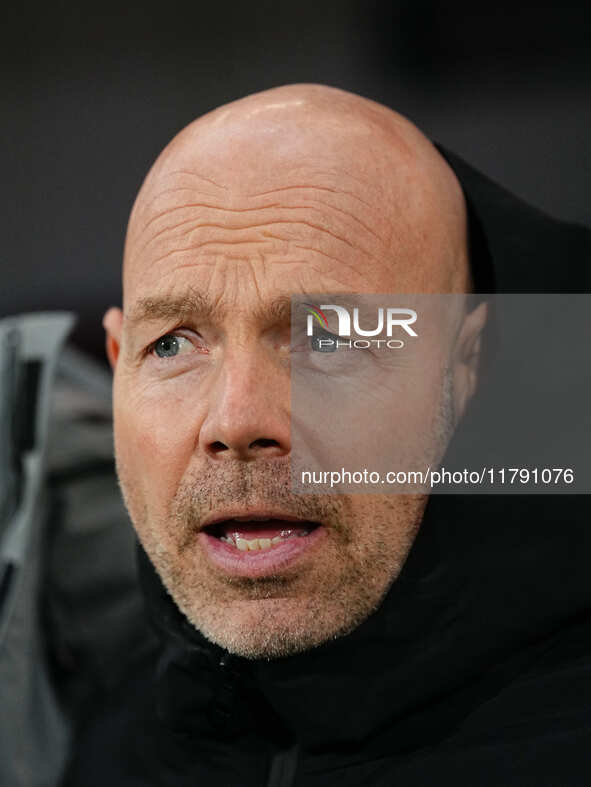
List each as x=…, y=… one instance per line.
x=245, y=544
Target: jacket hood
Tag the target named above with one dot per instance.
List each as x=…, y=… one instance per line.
x=489, y=580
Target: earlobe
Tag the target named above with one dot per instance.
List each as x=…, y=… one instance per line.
x=113, y=325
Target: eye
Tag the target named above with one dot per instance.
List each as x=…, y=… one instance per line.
x=171, y=345
x=324, y=342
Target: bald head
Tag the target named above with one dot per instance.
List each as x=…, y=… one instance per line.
x=306, y=168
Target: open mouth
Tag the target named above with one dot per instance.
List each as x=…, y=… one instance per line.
x=260, y=543
x=259, y=533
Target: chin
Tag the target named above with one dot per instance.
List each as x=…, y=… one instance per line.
x=267, y=628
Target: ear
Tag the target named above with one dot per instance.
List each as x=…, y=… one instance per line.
x=467, y=357
x=113, y=325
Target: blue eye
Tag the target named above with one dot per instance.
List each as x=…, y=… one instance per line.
x=169, y=346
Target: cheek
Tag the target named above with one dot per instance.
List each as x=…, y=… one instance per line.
x=386, y=524
x=155, y=435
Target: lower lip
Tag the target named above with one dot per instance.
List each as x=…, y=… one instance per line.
x=262, y=562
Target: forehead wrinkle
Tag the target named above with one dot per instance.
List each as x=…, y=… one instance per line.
x=236, y=194
x=347, y=214
x=318, y=204
x=206, y=205
x=356, y=247
x=342, y=211
x=309, y=187
x=238, y=219
x=196, y=175
x=161, y=194
x=192, y=221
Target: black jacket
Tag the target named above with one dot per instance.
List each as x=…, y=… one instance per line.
x=475, y=670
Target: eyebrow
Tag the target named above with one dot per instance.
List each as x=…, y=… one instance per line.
x=195, y=305
x=151, y=309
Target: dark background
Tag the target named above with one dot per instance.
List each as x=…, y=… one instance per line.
x=505, y=85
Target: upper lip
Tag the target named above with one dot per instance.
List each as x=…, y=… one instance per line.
x=245, y=513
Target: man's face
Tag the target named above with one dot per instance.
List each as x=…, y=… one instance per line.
x=202, y=394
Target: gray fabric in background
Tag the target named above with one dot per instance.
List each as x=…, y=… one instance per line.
x=94, y=608
x=34, y=732
x=70, y=603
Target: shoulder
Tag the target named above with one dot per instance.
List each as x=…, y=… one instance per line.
x=534, y=731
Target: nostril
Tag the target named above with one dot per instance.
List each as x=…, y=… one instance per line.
x=258, y=447
x=264, y=442
x=217, y=447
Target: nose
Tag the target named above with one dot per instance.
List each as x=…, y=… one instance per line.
x=248, y=410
